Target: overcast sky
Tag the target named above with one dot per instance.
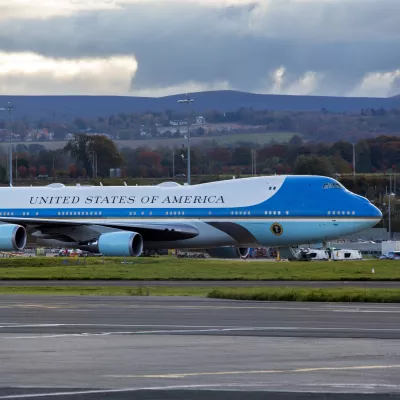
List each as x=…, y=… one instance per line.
x=162, y=47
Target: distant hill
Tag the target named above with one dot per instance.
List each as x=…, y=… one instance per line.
x=68, y=107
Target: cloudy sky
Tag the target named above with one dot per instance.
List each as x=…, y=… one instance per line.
x=162, y=47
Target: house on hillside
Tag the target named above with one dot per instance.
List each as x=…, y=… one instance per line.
x=200, y=120
x=165, y=130
x=39, y=134
x=178, y=122
x=197, y=121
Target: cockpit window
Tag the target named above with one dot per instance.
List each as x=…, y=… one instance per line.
x=332, y=185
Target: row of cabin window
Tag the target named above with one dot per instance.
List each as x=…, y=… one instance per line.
x=179, y=213
x=341, y=213
x=11, y=214
x=80, y=213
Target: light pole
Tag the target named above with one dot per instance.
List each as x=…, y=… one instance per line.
x=9, y=109
x=94, y=163
x=388, y=197
x=188, y=101
x=254, y=162
x=390, y=210
x=173, y=162
x=53, y=171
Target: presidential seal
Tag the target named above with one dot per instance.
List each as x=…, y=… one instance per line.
x=276, y=229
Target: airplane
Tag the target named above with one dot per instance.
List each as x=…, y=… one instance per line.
x=226, y=218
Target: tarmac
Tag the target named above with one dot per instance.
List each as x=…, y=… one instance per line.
x=182, y=348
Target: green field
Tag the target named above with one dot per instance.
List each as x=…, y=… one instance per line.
x=260, y=138
x=171, y=268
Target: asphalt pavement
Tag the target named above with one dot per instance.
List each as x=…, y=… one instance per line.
x=168, y=347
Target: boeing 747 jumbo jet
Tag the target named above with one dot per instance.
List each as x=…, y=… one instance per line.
x=226, y=217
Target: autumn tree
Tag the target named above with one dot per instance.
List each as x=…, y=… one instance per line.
x=363, y=157
x=106, y=153
x=42, y=170
x=33, y=171
x=72, y=171
x=241, y=156
x=313, y=165
x=343, y=150
x=80, y=149
x=149, y=158
x=22, y=171
x=84, y=149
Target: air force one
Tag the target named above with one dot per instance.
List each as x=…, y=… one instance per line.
x=226, y=217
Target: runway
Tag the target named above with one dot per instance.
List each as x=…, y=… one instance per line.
x=86, y=347
x=199, y=283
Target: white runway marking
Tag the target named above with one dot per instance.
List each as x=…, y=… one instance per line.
x=199, y=331
x=266, y=307
x=318, y=307
x=20, y=325
x=268, y=371
x=183, y=387
x=105, y=391
x=220, y=386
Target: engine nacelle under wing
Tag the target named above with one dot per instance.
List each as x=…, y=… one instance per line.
x=229, y=252
x=12, y=237
x=120, y=244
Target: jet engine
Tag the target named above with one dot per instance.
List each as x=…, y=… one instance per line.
x=229, y=252
x=12, y=237
x=117, y=244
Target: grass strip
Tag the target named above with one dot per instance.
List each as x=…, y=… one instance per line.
x=258, y=294
x=308, y=294
x=104, y=291
x=179, y=269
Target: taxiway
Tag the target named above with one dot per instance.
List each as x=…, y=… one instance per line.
x=84, y=347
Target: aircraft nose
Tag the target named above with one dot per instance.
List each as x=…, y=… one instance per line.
x=373, y=211
x=366, y=208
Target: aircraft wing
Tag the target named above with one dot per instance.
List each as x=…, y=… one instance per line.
x=149, y=230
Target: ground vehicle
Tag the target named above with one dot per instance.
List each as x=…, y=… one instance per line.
x=343, y=254
x=312, y=254
x=391, y=255
x=70, y=253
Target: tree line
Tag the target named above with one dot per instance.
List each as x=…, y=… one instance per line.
x=78, y=160
x=84, y=153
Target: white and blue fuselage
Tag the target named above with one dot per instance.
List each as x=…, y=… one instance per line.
x=260, y=211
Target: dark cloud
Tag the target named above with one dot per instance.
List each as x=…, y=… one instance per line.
x=341, y=41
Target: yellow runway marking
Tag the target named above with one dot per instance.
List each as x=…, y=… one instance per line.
x=268, y=371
